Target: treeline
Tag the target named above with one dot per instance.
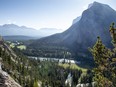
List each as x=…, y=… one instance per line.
x=50, y=51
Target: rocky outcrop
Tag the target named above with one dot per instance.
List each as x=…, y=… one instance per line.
x=93, y=84
x=6, y=80
x=69, y=80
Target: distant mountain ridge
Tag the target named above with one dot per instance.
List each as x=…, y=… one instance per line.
x=14, y=30
x=94, y=21
x=19, y=38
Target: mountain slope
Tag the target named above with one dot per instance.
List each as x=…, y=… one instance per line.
x=76, y=20
x=95, y=21
x=5, y=79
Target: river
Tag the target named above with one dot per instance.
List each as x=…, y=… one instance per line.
x=56, y=59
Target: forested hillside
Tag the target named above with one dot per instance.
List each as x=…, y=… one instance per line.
x=35, y=73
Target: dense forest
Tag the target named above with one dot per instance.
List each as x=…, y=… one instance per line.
x=31, y=72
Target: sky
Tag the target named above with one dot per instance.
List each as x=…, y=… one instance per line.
x=44, y=13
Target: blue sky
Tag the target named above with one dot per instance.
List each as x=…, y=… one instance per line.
x=44, y=13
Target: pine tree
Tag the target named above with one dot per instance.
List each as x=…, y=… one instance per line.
x=105, y=60
x=113, y=33
x=113, y=64
x=102, y=57
x=101, y=53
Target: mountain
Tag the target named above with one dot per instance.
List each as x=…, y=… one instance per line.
x=94, y=22
x=50, y=31
x=76, y=20
x=15, y=30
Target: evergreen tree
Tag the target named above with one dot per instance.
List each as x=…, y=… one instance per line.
x=105, y=60
x=113, y=33
x=113, y=64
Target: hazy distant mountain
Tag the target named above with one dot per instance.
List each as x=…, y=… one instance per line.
x=12, y=29
x=19, y=38
x=95, y=21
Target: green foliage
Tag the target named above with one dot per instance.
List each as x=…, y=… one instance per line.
x=27, y=72
x=72, y=66
x=100, y=53
x=102, y=81
x=86, y=77
x=113, y=33
x=105, y=70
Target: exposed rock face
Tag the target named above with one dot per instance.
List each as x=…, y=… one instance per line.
x=69, y=80
x=93, y=84
x=7, y=81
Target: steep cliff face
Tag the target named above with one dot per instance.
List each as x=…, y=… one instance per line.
x=5, y=79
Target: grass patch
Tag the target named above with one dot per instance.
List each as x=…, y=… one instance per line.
x=21, y=47
x=72, y=66
x=12, y=45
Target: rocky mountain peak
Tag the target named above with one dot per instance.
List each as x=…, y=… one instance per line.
x=97, y=4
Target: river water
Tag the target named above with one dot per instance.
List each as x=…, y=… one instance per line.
x=56, y=59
